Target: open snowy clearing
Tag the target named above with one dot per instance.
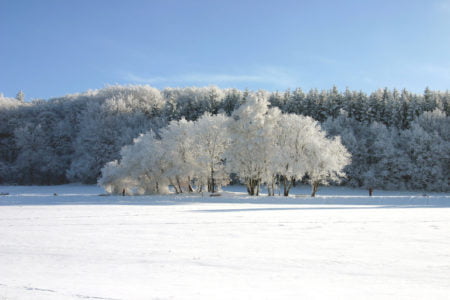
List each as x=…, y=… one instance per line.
x=340, y=245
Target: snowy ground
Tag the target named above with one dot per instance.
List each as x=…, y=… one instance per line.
x=341, y=245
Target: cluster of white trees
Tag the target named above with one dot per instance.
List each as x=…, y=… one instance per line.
x=398, y=139
x=259, y=144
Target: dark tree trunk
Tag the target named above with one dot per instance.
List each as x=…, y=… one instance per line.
x=315, y=187
x=189, y=185
x=213, y=183
x=287, y=184
x=174, y=186
x=257, y=188
x=179, y=185
x=252, y=187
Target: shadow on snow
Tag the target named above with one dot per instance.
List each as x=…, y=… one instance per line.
x=319, y=202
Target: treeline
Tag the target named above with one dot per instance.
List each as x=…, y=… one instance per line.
x=398, y=139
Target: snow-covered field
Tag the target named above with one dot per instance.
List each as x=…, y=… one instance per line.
x=340, y=245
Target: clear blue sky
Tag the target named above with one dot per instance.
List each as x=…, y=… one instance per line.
x=54, y=47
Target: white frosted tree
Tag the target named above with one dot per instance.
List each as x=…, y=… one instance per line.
x=327, y=159
x=267, y=145
x=294, y=136
x=180, y=147
x=141, y=170
x=252, y=141
x=147, y=162
x=114, y=178
x=211, y=140
x=186, y=152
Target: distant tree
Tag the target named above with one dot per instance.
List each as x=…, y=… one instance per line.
x=20, y=96
x=232, y=100
x=296, y=102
